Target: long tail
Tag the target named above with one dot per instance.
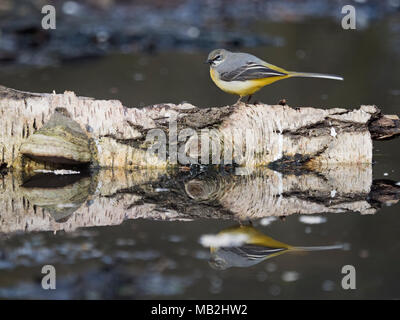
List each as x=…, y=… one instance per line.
x=314, y=75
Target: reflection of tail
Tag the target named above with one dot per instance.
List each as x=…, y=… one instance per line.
x=314, y=75
x=318, y=248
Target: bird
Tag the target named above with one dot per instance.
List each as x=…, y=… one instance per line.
x=243, y=74
x=255, y=248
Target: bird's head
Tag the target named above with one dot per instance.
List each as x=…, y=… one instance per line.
x=216, y=57
x=218, y=263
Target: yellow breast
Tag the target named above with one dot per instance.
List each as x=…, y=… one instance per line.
x=242, y=88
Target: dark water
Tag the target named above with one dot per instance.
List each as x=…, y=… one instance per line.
x=144, y=258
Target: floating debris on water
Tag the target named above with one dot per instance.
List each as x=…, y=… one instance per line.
x=290, y=276
x=267, y=221
x=223, y=240
x=312, y=219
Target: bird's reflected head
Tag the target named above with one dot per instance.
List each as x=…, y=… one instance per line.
x=217, y=263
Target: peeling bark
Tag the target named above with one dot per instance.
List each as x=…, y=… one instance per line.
x=117, y=136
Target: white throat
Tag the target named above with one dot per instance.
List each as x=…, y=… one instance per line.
x=216, y=63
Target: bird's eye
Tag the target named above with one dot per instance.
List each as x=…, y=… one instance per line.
x=218, y=57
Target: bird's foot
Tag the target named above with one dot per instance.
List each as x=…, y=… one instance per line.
x=256, y=102
x=238, y=102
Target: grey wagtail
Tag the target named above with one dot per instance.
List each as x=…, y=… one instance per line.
x=256, y=247
x=244, y=74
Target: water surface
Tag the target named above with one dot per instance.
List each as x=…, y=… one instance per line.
x=162, y=257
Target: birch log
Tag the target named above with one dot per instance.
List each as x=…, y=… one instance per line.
x=61, y=129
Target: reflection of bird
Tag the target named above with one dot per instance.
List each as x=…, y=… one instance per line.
x=256, y=248
x=243, y=74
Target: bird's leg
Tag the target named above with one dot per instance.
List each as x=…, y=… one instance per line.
x=249, y=98
x=239, y=100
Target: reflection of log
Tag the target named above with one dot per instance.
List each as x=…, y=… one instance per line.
x=107, y=134
x=109, y=197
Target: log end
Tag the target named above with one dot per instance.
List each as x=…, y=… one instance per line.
x=385, y=127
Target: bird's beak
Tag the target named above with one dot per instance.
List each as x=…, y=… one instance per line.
x=208, y=61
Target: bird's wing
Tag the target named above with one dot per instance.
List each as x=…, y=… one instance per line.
x=254, y=252
x=251, y=71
